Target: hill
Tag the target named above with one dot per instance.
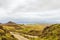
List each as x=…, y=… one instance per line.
x=51, y=32
x=10, y=22
x=5, y=34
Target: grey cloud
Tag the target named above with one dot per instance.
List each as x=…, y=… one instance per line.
x=38, y=6
x=32, y=5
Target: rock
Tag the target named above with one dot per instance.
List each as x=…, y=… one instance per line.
x=10, y=22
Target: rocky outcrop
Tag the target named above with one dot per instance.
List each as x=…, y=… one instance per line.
x=10, y=22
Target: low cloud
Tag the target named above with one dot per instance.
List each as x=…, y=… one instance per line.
x=30, y=10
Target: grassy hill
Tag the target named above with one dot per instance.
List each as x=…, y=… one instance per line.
x=30, y=31
x=51, y=32
x=5, y=34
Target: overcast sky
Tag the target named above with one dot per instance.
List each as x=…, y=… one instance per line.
x=30, y=11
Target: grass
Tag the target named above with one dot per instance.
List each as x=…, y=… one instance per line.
x=41, y=31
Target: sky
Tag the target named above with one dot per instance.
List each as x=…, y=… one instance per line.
x=30, y=11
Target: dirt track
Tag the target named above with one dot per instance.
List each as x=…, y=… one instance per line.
x=19, y=37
